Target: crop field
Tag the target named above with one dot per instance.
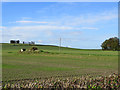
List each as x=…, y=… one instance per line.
x=66, y=63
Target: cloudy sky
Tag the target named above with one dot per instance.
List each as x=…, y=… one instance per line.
x=79, y=24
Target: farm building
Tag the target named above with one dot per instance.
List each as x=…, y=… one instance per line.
x=30, y=43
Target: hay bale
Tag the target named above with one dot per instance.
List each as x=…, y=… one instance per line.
x=37, y=51
x=34, y=48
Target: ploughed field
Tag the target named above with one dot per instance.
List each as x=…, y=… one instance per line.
x=68, y=62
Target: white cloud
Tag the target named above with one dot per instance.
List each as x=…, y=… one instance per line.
x=74, y=33
x=30, y=22
x=40, y=41
x=41, y=31
x=30, y=32
x=70, y=23
x=2, y=27
x=43, y=27
x=88, y=19
x=25, y=18
x=90, y=28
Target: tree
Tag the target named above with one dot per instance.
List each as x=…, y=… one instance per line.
x=111, y=44
x=12, y=41
x=17, y=41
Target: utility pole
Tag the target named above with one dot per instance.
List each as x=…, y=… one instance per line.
x=60, y=45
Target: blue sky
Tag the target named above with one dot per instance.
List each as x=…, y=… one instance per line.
x=79, y=24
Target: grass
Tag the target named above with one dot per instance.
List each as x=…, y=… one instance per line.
x=68, y=62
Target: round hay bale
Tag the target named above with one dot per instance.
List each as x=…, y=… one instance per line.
x=34, y=48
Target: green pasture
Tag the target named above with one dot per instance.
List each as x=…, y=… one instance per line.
x=68, y=62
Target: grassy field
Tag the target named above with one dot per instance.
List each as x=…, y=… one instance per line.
x=69, y=62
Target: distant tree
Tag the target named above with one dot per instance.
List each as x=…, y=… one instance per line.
x=12, y=41
x=17, y=41
x=111, y=44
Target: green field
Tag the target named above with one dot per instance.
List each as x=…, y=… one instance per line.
x=68, y=62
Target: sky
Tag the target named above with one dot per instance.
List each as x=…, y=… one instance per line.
x=83, y=25
x=60, y=0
